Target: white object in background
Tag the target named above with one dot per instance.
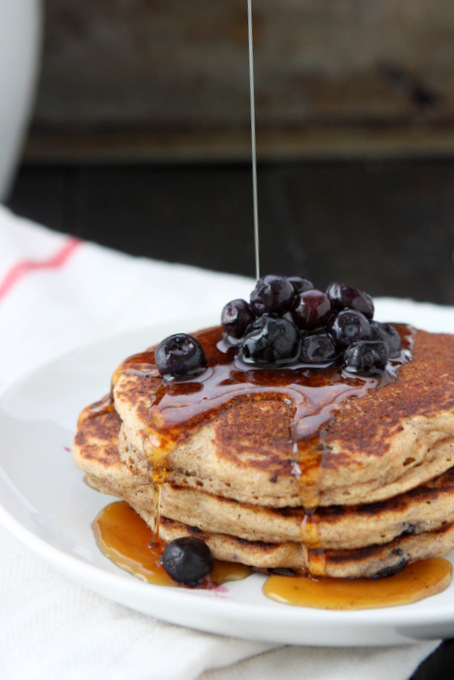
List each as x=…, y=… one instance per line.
x=20, y=39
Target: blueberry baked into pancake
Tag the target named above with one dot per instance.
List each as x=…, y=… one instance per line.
x=298, y=434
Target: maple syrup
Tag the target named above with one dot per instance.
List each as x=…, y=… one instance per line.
x=177, y=406
x=415, y=582
x=104, y=405
x=253, y=140
x=124, y=537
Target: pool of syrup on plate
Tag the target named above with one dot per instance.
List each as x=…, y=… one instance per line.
x=124, y=537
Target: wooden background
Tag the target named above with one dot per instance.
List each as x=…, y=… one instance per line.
x=160, y=79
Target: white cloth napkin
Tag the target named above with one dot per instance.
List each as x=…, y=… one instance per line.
x=56, y=294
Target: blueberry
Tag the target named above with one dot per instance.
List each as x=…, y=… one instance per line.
x=272, y=295
x=271, y=340
x=389, y=335
x=344, y=296
x=350, y=326
x=187, y=560
x=318, y=348
x=299, y=284
x=236, y=317
x=312, y=309
x=369, y=356
x=180, y=356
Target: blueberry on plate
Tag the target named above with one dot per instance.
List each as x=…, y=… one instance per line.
x=271, y=340
x=369, y=356
x=187, y=560
x=272, y=295
x=180, y=356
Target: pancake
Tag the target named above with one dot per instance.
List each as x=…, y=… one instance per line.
x=372, y=440
x=417, y=523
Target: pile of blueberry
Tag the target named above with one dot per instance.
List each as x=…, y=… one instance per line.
x=288, y=321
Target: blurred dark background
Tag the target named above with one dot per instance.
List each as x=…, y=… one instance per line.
x=386, y=226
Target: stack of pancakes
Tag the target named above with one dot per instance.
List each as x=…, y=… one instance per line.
x=367, y=489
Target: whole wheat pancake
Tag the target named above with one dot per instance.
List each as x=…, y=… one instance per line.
x=363, y=440
x=356, y=541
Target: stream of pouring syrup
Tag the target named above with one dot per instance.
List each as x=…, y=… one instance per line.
x=253, y=141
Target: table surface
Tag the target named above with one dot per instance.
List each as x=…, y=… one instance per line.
x=386, y=226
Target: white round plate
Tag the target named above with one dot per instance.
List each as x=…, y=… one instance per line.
x=45, y=503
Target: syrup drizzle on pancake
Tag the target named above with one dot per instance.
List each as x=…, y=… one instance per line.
x=178, y=406
x=314, y=393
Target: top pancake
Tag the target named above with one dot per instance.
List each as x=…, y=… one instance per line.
x=347, y=442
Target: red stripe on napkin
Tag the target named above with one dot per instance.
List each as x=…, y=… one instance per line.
x=21, y=269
